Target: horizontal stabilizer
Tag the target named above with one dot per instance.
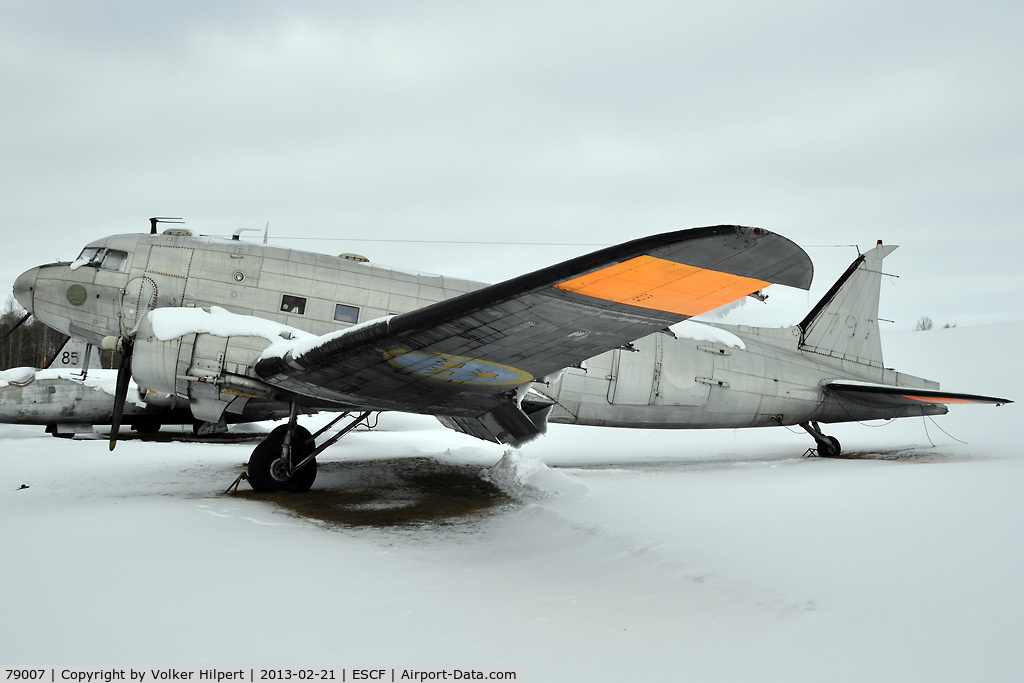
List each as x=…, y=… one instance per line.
x=885, y=394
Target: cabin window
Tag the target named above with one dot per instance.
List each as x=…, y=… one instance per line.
x=344, y=313
x=293, y=304
x=114, y=260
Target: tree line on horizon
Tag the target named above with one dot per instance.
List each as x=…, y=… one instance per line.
x=33, y=344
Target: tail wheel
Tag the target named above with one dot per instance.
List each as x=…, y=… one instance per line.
x=829, y=447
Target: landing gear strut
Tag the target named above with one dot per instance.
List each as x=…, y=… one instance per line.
x=828, y=446
x=286, y=459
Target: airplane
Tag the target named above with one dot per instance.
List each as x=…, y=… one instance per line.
x=601, y=339
x=73, y=393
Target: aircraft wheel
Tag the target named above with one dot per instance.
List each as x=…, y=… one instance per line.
x=146, y=427
x=267, y=469
x=261, y=466
x=301, y=433
x=830, y=447
x=302, y=480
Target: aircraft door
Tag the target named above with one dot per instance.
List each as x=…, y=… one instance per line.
x=664, y=371
x=138, y=299
x=683, y=373
x=633, y=372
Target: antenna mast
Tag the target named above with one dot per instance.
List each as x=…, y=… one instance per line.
x=161, y=219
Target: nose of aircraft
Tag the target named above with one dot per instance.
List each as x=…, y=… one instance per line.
x=23, y=288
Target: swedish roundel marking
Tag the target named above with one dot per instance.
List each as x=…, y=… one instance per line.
x=445, y=367
x=76, y=295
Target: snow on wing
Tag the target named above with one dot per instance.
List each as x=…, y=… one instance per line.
x=463, y=356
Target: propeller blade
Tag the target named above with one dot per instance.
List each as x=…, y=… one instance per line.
x=124, y=375
x=16, y=326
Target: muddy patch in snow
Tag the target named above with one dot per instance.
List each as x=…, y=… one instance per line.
x=391, y=493
x=918, y=455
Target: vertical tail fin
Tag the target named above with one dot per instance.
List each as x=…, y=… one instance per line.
x=844, y=324
x=73, y=355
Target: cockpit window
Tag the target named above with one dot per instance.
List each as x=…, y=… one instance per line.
x=114, y=260
x=90, y=255
x=98, y=257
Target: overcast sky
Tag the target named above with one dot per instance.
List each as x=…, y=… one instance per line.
x=833, y=123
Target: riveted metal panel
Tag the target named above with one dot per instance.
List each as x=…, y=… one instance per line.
x=167, y=260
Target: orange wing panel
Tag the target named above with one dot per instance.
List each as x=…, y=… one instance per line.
x=659, y=284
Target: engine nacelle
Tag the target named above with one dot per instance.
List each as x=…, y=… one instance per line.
x=213, y=372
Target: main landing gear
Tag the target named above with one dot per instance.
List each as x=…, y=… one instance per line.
x=286, y=459
x=828, y=446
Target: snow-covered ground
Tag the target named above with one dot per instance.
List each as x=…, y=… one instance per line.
x=626, y=555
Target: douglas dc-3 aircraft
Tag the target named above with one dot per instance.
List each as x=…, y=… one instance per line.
x=223, y=323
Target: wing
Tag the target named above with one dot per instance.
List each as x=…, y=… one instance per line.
x=466, y=356
x=885, y=394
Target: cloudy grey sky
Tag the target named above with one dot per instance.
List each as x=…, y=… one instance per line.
x=833, y=123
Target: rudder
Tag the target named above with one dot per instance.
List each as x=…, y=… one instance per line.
x=844, y=324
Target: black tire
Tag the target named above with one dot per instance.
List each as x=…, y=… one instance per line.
x=830, y=447
x=146, y=427
x=302, y=480
x=302, y=446
x=266, y=471
x=260, y=463
x=302, y=435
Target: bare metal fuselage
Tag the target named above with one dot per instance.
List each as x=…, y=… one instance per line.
x=758, y=378
x=724, y=377
x=68, y=403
